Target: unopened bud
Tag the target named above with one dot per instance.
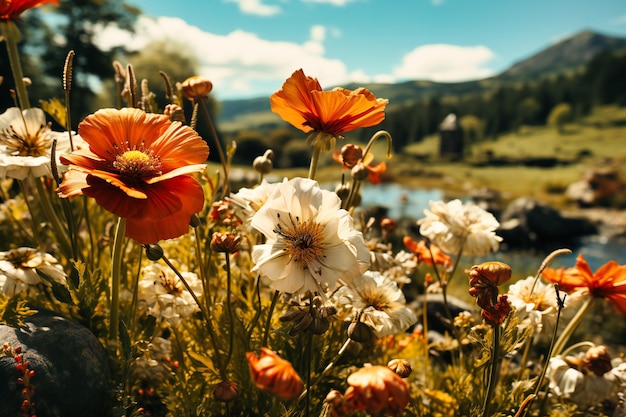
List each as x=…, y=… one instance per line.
x=196, y=88
x=400, y=367
x=598, y=360
x=174, y=112
x=360, y=332
x=154, y=252
x=194, y=221
x=225, y=242
x=226, y=391
x=359, y=172
x=262, y=164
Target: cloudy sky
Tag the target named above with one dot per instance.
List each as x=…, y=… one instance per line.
x=249, y=47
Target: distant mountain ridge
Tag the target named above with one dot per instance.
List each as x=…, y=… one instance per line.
x=570, y=54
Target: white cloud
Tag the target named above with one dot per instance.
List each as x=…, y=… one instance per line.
x=445, y=63
x=331, y=2
x=240, y=64
x=256, y=7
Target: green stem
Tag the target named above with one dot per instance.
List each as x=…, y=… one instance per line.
x=61, y=234
x=229, y=308
x=493, y=374
x=11, y=35
x=116, y=273
x=268, y=323
x=315, y=159
x=205, y=315
x=218, y=145
x=571, y=327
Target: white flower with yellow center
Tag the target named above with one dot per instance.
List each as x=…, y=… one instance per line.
x=454, y=226
x=165, y=295
x=379, y=301
x=22, y=269
x=26, y=143
x=311, y=242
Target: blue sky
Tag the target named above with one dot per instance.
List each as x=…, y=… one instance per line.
x=249, y=47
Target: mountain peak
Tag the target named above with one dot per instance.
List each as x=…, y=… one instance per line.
x=570, y=53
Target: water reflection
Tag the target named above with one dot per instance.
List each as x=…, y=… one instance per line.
x=402, y=202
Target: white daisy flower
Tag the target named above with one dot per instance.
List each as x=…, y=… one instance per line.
x=379, y=301
x=20, y=270
x=164, y=293
x=311, y=242
x=455, y=225
x=26, y=143
x=247, y=201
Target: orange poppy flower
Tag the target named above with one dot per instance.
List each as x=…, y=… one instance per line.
x=138, y=166
x=273, y=374
x=11, y=9
x=377, y=389
x=351, y=155
x=302, y=103
x=432, y=256
x=608, y=282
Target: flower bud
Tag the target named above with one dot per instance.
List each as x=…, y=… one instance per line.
x=226, y=391
x=154, y=252
x=400, y=367
x=262, y=164
x=597, y=360
x=194, y=221
x=388, y=225
x=359, y=172
x=360, y=332
x=343, y=191
x=196, y=88
x=225, y=242
x=489, y=273
x=351, y=155
x=174, y=112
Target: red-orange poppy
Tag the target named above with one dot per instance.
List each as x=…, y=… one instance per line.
x=274, y=374
x=608, y=282
x=351, y=155
x=302, y=103
x=430, y=255
x=138, y=166
x=11, y=9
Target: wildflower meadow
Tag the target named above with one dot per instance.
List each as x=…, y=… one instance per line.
x=200, y=296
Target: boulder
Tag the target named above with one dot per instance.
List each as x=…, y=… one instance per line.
x=71, y=378
x=526, y=223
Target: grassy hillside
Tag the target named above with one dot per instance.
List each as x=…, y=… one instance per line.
x=598, y=140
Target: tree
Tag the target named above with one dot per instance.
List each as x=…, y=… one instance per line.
x=75, y=28
x=559, y=115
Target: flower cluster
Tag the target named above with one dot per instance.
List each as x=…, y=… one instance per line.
x=282, y=297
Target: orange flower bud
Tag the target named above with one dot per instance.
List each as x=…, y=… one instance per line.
x=490, y=273
x=377, y=389
x=273, y=374
x=196, y=88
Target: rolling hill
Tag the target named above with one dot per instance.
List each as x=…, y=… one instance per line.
x=570, y=54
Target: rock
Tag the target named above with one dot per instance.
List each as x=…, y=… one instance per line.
x=599, y=187
x=526, y=223
x=72, y=377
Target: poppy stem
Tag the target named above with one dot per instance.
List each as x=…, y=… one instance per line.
x=268, y=323
x=375, y=137
x=11, y=35
x=493, y=373
x=116, y=272
x=315, y=158
x=571, y=327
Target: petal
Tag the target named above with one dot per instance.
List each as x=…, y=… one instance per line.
x=127, y=128
x=73, y=184
x=293, y=101
x=180, y=145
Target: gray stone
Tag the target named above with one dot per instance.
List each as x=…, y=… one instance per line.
x=72, y=376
